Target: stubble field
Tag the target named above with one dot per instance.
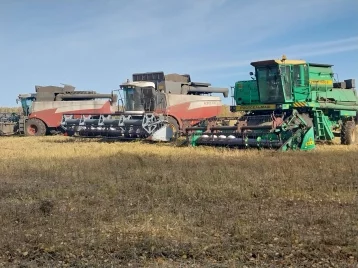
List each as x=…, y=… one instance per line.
x=66, y=202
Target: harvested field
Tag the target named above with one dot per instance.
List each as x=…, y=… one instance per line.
x=74, y=203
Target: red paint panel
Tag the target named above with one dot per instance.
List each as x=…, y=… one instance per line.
x=53, y=119
x=182, y=111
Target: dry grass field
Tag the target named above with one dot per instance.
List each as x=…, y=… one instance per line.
x=10, y=110
x=75, y=203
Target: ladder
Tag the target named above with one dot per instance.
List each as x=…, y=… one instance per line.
x=22, y=121
x=322, y=126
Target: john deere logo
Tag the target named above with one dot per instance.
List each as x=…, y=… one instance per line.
x=309, y=142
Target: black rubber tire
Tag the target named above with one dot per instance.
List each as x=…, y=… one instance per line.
x=35, y=127
x=173, y=123
x=348, y=133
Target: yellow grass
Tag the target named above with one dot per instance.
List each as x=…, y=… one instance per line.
x=226, y=112
x=10, y=110
x=67, y=202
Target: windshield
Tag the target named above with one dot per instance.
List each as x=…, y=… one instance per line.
x=139, y=99
x=132, y=99
x=26, y=104
x=270, y=86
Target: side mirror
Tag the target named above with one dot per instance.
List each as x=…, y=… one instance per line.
x=251, y=73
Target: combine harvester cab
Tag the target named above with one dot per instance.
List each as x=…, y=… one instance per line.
x=153, y=105
x=288, y=105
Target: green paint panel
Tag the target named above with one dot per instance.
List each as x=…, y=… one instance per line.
x=308, y=142
x=347, y=113
x=195, y=137
x=246, y=92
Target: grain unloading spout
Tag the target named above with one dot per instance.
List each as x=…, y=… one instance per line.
x=60, y=97
x=192, y=87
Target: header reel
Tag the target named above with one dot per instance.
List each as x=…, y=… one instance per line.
x=280, y=132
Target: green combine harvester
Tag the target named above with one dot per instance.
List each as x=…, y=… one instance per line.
x=288, y=105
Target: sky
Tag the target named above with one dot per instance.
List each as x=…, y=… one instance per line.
x=98, y=44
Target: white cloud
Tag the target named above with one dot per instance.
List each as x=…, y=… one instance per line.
x=296, y=51
x=181, y=25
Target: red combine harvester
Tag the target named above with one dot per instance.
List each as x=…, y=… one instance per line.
x=154, y=106
x=42, y=111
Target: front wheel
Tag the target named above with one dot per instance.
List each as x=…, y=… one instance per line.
x=348, y=133
x=35, y=127
x=174, y=126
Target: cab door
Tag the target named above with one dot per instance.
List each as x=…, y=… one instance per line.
x=300, y=82
x=287, y=86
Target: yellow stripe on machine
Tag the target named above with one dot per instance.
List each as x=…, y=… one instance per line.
x=255, y=107
x=321, y=82
x=299, y=104
x=310, y=142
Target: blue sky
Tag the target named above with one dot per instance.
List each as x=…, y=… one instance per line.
x=97, y=44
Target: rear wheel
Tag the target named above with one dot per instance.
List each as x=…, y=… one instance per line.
x=348, y=133
x=174, y=126
x=35, y=127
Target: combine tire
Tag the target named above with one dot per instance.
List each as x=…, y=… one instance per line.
x=348, y=133
x=175, y=127
x=35, y=127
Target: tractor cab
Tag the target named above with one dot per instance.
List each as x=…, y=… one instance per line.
x=141, y=96
x=26, y=102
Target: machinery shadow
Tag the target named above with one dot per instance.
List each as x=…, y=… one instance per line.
x=180, y=142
